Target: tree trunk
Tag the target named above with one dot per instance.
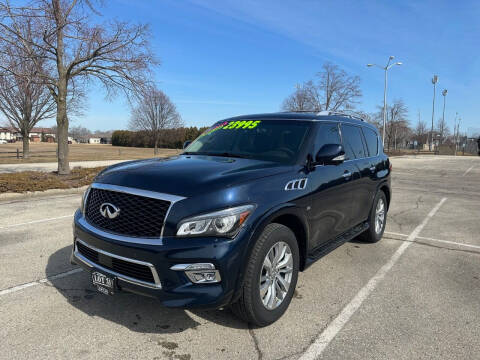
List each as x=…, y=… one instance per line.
x=62, y=131
x=26, y=146
x=155, y=148
x=395, y=139
x=61, y=98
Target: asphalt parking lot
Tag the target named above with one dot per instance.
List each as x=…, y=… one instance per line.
x=415, y=294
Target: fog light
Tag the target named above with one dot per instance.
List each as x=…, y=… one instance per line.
x=201, y=273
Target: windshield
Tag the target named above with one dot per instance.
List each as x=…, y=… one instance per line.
x=268, y=140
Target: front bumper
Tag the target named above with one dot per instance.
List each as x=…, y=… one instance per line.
x=173, y=288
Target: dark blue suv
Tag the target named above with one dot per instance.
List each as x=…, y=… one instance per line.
x=234, y=218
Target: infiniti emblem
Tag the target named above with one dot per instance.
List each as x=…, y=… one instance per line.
x=109, y=211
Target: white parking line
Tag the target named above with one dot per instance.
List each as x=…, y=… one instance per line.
x=436, y=240
x=36, y=221
x=468, y=170
x=38, y=282
x=324, y=339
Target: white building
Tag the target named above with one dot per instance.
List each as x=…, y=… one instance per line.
x=94, y=140
x=36, y=133
x=6, y=134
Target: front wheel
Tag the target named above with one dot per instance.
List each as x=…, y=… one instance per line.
x=270, y=278
x=377, y=219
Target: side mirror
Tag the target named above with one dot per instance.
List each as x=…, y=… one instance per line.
x=330, y=154
x=186, y=143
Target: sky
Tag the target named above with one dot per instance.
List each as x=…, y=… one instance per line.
x=222, y=58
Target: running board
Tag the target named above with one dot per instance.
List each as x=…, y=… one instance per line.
x=331, y=245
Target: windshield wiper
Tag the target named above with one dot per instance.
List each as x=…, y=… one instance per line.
x=223, y=154
x=227, y=154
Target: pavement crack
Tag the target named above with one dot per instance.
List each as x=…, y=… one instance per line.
x=255, y=342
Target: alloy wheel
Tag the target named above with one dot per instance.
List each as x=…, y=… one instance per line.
x=276, y=275
x=379, y=216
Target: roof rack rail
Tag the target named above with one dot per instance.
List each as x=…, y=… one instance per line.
x=351, y=115
x=299, y=111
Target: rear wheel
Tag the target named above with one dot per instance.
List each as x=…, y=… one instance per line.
x=377, y=219
x=270, y=278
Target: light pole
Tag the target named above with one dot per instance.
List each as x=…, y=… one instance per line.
x=444, y=93
x=434, y=82
x=385, y=68
x=455, y=132
x=457, y=139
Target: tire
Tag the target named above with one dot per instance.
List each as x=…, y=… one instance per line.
x=374, y=234
x=250, y=306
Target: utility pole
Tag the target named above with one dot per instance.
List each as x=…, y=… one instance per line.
x=444, y=93
x=434, y=82
x=458, y=134
x=455, y=132
x=385, y=68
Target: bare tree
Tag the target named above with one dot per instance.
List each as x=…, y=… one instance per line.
x=77, y=51
x=79, y=133
x=397, y=125
x=421, y=131
x=302, y=99
x=24, y=100
x=154, y=112
x=337, y=89
x=397, y=117
x=334, y=91
x=442, y=129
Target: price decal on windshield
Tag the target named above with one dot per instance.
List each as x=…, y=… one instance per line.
x=233, y=125
x=243, y=124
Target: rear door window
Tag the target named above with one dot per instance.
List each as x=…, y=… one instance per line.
x=372, y=141
x=353, y=142
x=327, y=133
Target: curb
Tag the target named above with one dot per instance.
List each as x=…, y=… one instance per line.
x=38, y=194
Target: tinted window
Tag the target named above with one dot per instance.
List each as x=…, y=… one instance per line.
x=269, y=140
x=352, y=141
x=327, y=134
x=372, y=141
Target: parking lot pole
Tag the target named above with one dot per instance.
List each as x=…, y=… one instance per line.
x=384, y=106
x=386, y=68
x=455, y=132
x=434, y=82
x=444, y=93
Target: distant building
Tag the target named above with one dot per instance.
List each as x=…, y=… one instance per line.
x=94, y=140
x=37, y=134
x=6, y=134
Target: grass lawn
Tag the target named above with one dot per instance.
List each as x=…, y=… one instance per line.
x=79, y=152
x=40, y=181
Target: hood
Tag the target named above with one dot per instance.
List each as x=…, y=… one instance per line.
x=188, y=175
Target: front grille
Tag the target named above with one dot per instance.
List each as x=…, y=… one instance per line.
x=90, y=254
x=127, y=268
x=139, y=216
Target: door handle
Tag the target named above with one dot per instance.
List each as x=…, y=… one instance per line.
x=373, y=168
x=347, y=174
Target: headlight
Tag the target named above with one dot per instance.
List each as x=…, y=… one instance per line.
x=84, y=200
x=226, y=223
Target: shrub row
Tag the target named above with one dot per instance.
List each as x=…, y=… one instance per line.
x=169, y=138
